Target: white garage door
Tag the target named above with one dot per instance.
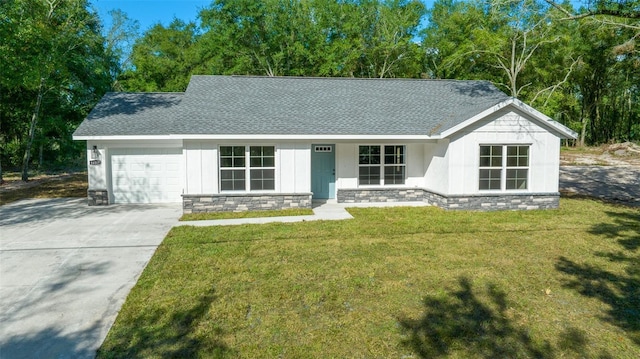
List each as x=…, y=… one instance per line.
x=146, y=175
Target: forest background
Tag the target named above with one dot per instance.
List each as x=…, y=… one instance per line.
x=578, y=62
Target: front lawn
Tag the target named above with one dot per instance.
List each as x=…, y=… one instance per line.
x=413, y=282
x=246, y=214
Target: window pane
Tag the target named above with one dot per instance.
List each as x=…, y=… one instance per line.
x=490, y=156
x=226, y=162
x=369, y=175
x=517, y=179
x=262, y=156
x=496, y=161
x=226, y=150
x=262, y=179
x=231, y=156
x=256, y=162
x=369, y=155
x=394, y=154
x=517, y=156
x=232, y=180
x=269, y=151
x=394, y=175
x=238, y=161
x=489, y=179
x=269, y=162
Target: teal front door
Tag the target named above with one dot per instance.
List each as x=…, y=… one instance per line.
x=323, y=171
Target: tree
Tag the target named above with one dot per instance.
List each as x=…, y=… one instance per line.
x=368, y=38
x=163, y=59
x=507, y=42
x=119, y=41
x=54, y=59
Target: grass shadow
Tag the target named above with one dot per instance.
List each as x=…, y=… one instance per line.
x=620, y=290
x=461, y=322
x=170, y=333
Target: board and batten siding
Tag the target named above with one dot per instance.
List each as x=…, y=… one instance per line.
x=507, y=127
x=436, y=164
x=347, y=164
x=292, y=165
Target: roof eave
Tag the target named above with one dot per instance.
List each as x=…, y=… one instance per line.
x=559, y=129
x=253, y=137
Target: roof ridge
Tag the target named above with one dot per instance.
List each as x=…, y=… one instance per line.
x=339, y=78
x=147, y=93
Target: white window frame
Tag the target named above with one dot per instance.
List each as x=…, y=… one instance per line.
x=247, y=168
x=382, y=165
x=505, y=167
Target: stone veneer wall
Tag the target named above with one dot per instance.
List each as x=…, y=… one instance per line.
x=483, y=202
x=380, y=195
x=198, y=203
x=98, y=197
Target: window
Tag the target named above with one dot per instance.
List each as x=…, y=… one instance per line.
x=381, y=165
x=369, y=160
x=262, y=168
x=503, y=167
x=232, y=168
x=235, y=174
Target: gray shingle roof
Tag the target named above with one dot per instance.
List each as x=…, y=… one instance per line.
x=239, y=105
x=123, y=114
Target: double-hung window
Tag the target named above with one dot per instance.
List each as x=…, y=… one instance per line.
x=381, y=165
x=247, y=168
x=504, y=167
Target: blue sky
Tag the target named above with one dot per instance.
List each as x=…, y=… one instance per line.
x=151, y=12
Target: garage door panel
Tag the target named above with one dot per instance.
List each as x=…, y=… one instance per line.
x=146, y=175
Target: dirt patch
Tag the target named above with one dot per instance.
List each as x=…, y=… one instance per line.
x=608, y=172
x=617, y=154
x=14, y=183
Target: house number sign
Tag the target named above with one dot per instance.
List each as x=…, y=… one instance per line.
x=95, y=162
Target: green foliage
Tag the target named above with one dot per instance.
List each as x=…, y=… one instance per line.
x=55, y=68
x=583, y=74
x=281, y=38
x=163, y=59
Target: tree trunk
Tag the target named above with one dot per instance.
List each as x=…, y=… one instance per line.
x=583, y=132
x=1, y=179
x=32, y=132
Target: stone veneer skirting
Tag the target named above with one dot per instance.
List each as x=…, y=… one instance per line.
x=483, y=202
x=198, y=203
x=98, y=197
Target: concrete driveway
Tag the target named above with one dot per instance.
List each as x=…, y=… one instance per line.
x=619, y=184
x=66, y=269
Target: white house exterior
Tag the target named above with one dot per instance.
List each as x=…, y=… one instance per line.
x=245, y=143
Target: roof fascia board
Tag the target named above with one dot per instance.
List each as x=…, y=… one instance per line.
x=538, y=116
x=129, y=137
x=259, y=137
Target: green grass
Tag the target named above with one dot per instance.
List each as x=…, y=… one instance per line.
x=73, y=185
x=246, y=214
x=394, y=283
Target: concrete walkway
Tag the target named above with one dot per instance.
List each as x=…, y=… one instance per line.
x=322, y=211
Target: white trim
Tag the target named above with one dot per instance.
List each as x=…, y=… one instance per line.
x=562, y=130
x=274, y=137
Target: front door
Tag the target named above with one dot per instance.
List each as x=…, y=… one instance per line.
x=323, y=171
